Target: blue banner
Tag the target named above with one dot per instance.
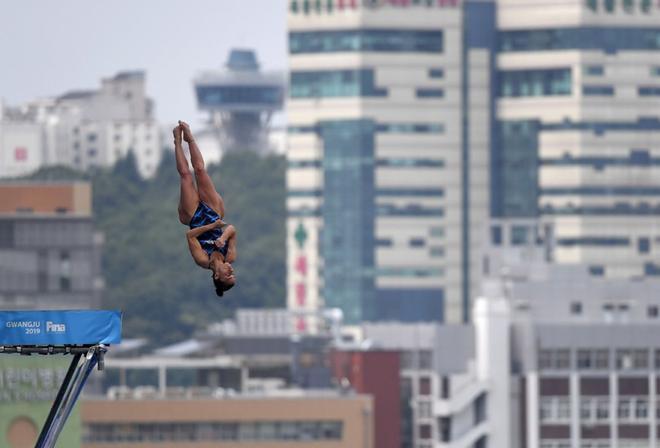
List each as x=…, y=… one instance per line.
x=58, y=327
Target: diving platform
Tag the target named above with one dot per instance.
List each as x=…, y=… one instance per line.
x=84, y=334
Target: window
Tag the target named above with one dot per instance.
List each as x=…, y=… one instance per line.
x=649, y=91
x=628, y=359
x=430, y=93
x=519, y=235
x=584, y=359
x=444, y=427
x=425, y=359
x=624, y=409
x=417, y=242
x=594, y=70
x=546, y=409
x=554, y=359
x=576, y=308
x=424, y=432
x=592, y=4
x=496, y=235
x=602, y=359
x=334, y=83
x=655, y=71
x=363, y=40
x=597, y=270
x=602, y=409
x=585, y=409
x=563, y=409
x=424, y=409
x=643, y=245
x=425, y=386
x=436, y=73
x=437, y=232
x=444, y=387
x=641, y=408
x=628, y=6
x=523, y=83
x=598, y=90
x=437, y=251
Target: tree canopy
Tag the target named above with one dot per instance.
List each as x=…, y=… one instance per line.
x=147, y=268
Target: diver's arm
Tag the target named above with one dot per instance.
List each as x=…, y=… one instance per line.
x=228, y=237
x=196, y=251
x=197, y=231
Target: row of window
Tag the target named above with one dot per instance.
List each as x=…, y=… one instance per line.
x=386, y=128
x=602, y=191
x=595, y=409
x=365, y=40
x=643, y=243
x=636, y=157
x=334, y=83
x=384, y=210
x=434, y=251
x=525, y=83
x=607, y=39
x=329, y=6
x=618, y=209
x=629, y=6
x=598, y=359
x=199, y=432
x=382, y=163
x=219, y=96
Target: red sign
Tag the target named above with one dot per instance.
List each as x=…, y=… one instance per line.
x=301, y=293
x=301, y=265
x=20, y=154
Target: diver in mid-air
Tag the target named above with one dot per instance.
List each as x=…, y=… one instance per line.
x=211, y=241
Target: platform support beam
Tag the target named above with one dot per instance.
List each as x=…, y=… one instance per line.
x=76, y=377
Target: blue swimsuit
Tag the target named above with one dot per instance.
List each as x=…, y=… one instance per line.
x=206, y=215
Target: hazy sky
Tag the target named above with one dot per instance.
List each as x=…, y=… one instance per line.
x=50, y=47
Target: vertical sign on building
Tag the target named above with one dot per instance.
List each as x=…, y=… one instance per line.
x=300, y=268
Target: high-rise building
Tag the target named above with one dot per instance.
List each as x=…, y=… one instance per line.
x=399, y=147
x=389, y=118
x=578, y=142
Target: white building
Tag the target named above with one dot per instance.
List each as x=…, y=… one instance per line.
x=21, y=147
x=86, y=129
x=388, y=158
x=555, y=358
x=579, y=122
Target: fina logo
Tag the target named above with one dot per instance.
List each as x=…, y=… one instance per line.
x=55, y=328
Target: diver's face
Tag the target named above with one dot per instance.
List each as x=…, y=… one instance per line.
x=225, y=273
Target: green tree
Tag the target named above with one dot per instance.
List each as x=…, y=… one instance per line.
x=148, y=271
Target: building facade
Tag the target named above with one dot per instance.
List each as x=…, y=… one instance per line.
x=83, y=129
x=50, y=253
x=388, y=153
x=310, y=421
x=578, y=112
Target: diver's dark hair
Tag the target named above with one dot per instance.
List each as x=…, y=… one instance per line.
x=221, y=287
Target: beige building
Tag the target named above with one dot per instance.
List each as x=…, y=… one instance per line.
x=46, y=198
x=311, y=421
